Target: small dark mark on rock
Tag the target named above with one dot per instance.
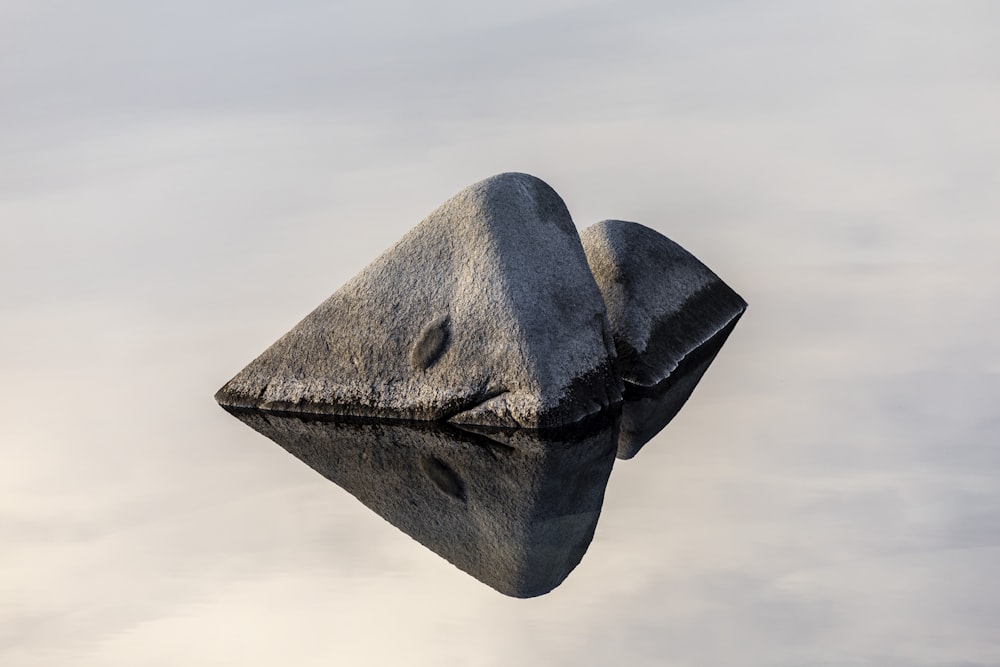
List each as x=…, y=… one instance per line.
x=430, y=343
x=443, y=477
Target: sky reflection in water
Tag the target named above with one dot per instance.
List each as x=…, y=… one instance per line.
x=178, y=181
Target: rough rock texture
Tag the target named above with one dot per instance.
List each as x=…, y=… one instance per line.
x=516, y=513
x=669, y=314
x=485, y=313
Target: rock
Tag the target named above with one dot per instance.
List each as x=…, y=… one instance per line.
x=669, y=316
x=485, y=313
x=517, y=513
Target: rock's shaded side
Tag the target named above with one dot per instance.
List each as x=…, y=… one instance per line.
x=485, y=313
x=669, y=317
x=646, y=411
x=517, y=513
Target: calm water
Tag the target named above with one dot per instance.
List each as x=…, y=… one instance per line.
x=179, y=185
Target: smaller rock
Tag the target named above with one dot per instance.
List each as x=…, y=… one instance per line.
x=669, y=316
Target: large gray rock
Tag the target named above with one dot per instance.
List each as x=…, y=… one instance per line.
x=485, y=313
x=669, y=317
x=517, y=512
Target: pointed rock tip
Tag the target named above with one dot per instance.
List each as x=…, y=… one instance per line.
x=511, y=179
x=512, y=190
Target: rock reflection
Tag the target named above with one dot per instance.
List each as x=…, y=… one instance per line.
x=515, y=509
x=646, y=411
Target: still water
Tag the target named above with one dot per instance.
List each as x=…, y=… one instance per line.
x=830, y=494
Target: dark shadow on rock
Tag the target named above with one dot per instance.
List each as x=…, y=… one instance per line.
x=516, y=509
x=647, y=411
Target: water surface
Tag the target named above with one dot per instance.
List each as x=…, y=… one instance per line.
x=179, y=185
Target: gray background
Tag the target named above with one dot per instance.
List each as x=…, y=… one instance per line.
x=181, y=182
